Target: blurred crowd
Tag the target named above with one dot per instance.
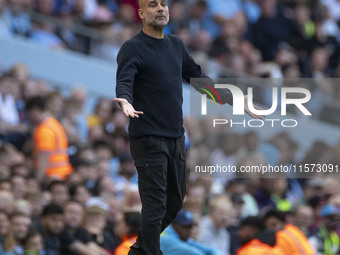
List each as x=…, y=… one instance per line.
x=94, y=207
x=235, y=38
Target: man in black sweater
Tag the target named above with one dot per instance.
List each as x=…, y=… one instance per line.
x=151, y=66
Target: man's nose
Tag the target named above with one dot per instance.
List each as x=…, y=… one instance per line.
x=160, y=8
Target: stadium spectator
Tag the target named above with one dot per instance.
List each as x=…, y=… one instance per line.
x=127, y=173
x=43, y=34
x=102, y=151
x=80, y=193
x=104, y=186
x=235, y=220
x=195, y=199
x=33, y=244
x=19, y=186
x=119, y=141
x=333, y=8
x=102, y=113
x=265, y=34
x=20, y=169
x=197, y=10
x=9, y=111
x=304, y=219
x=225, y=152
x=34, y=198
x=176, y=238
x=7, y=243
x=52, y=225
x=59, y=192
x=50, y=143
x=95, y=223
x=23, y=206
x=55, y=237
x=74, y=114
x=131, y=200
x=20, y=225
x=279, y=195
x=113, y=212
x=33, y=88
x=178, y=17
x=18, y=20
x=4, y=26
x=253, y=240
x=20, y=73
x=83, y=166
x=263, y=193
x=103, y=167
x=243, y=186
x=219, y=12
x=88, y=173
x=12, y=128
x=74, y=215
x=326, y=240
x=288, y=237
x=7, y=202
x=73, y=179
x=213, y=227
x=334, y=200
x=5, y=185
x=54, y=104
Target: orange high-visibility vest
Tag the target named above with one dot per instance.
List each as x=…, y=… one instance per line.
x=124, y=247
x=293, y=242
x=50, y=136
x=256, y=247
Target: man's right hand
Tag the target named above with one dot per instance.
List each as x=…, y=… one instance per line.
x=127, y=108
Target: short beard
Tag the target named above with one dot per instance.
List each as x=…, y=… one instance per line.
x=158, y=27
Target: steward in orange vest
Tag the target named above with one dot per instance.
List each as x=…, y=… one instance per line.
x=49, y=142
x=254, y=241
x=256, y=247
x=127, y=229
x=288, y=237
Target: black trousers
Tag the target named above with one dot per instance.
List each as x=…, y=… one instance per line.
x=161, y=167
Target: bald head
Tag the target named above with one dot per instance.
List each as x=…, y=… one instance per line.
x=154, y=15
x=143, y=3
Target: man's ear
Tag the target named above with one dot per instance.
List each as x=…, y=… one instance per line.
x=141, y=13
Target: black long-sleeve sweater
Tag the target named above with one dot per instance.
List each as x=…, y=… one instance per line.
x=149, y=76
